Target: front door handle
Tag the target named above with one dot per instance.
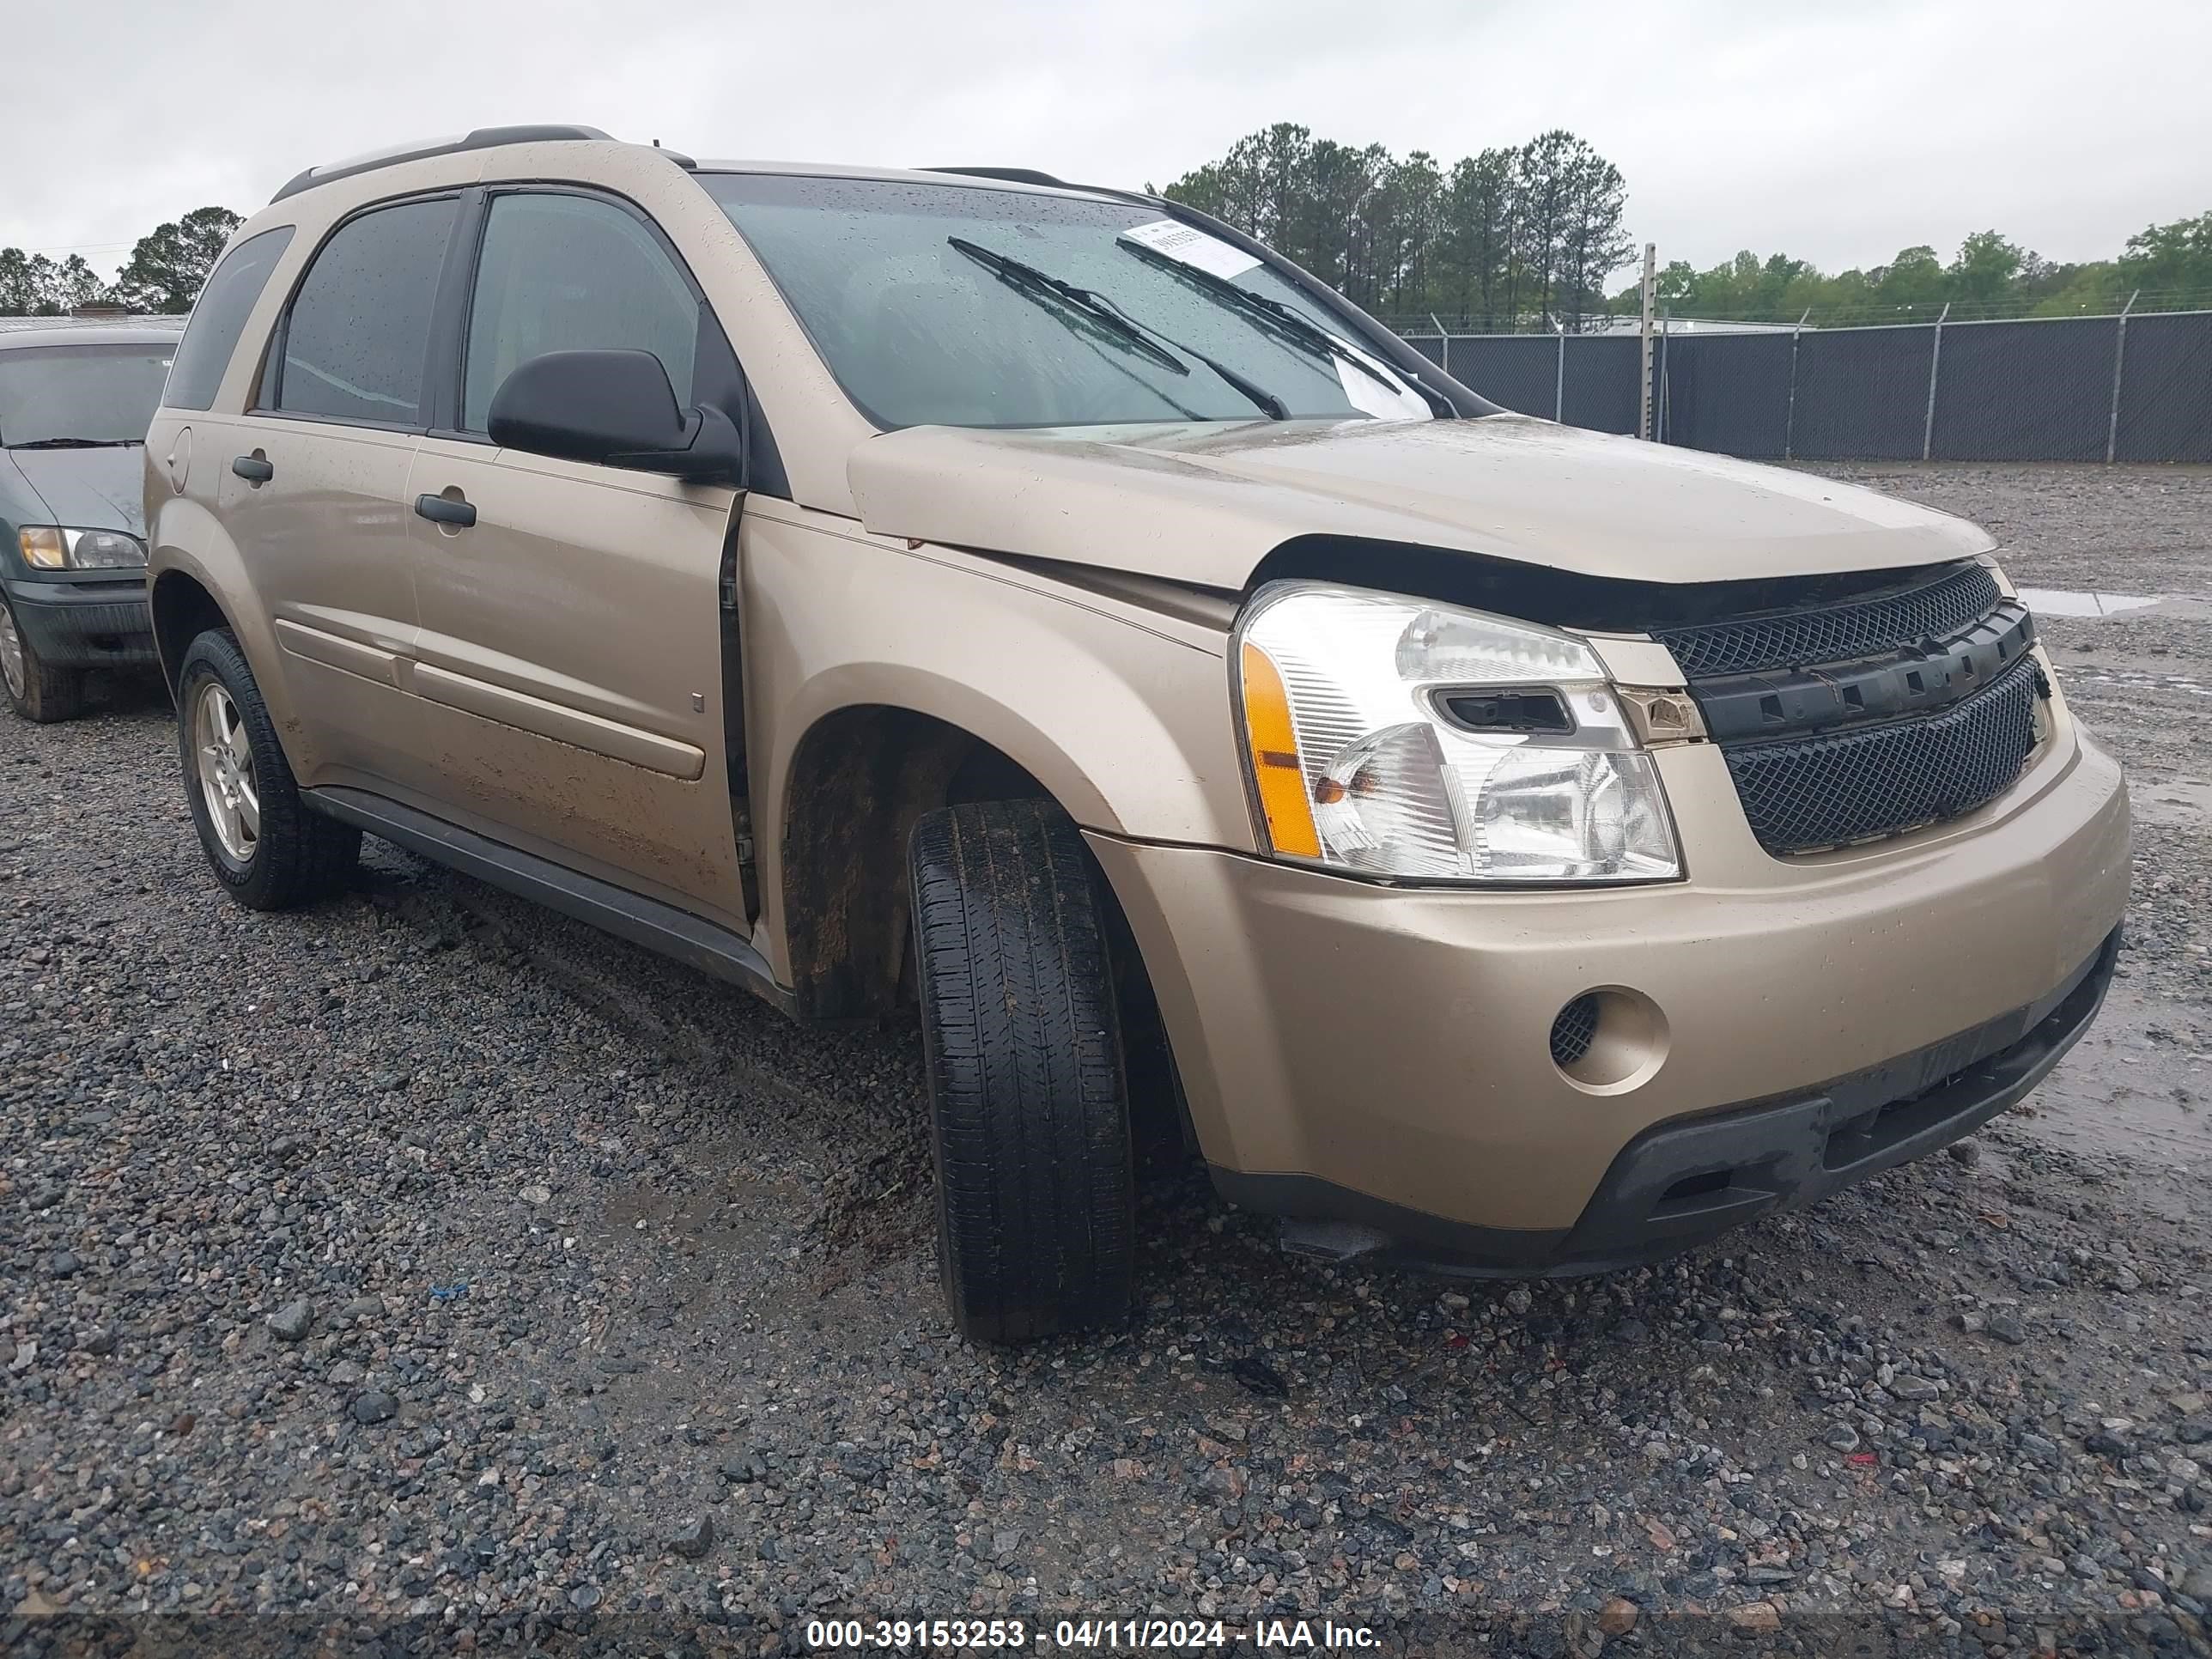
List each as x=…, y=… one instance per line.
x=437, y=509
x=253, y=469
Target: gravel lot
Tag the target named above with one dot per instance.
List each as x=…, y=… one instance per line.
x=429, y=1268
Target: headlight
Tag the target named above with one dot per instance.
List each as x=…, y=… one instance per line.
x=1425, y=743
x=49, y=547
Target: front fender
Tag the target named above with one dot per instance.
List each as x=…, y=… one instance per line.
x=1122, y=715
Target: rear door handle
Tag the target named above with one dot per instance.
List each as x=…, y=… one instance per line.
x=253, y=469
x=439, y=510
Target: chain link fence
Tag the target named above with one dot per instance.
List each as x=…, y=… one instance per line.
x=2116, y=388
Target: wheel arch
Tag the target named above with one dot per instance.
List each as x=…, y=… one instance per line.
x=183, y=608
x=856, y=782
x=198, y=580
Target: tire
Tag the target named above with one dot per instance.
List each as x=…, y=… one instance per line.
x=1029, y=1108
x=36, y=691
x=294, y=855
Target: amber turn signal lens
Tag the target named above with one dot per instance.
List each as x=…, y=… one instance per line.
x=43, y=547
x=1274, y=742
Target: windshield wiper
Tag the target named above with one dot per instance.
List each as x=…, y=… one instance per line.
x=1267, y=402
x=80, y=443
x=1097, y=308
x=1290, y=325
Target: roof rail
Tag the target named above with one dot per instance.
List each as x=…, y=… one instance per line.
x=481, y=138
x=1011, y=175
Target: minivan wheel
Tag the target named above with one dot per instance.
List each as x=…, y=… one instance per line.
x=1030, y=1110
x=35, y=691
x=265, y=845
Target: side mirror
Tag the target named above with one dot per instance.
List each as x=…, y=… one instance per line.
x=615, y=409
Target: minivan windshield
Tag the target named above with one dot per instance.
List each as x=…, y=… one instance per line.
x=962, y=305
x=80, y=396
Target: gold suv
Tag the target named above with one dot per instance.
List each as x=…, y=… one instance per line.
x=1504, y=848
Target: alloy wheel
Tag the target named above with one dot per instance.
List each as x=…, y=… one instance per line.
x=228, y=783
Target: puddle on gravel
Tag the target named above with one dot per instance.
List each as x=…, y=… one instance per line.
x=2133, y=1087
x=2183, y=802
x=2074, y=602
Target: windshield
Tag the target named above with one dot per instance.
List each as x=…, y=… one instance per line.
x=965, y=306
x=89, y=393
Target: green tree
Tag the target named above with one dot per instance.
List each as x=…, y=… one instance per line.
x=170, y=264
x=1912, y=280
x=1543, y=175
x=1591, y=244
x=2170, y=259
x=1507, y=236
x=74, y=283
x=31, y=285
x=1477, y=237
x=1527, y=237
x=1987, y=271
x=19, y=283
x=1415, y=191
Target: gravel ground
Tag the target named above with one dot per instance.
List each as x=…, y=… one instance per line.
x=434, y=1273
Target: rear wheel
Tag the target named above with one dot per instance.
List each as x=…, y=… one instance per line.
x=35, y=690
x=265, y=843
x=1029, y=1105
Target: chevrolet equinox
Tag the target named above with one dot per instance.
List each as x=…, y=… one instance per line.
x=1498, y=847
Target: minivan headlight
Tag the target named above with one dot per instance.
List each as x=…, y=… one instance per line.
x=54, y=547
x=1392, y=737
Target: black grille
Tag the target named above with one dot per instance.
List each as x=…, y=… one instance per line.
x=1803, y=793
x=1834, y=633
x=1572, y=1031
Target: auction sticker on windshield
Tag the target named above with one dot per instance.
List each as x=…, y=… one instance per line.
x=1191, y=248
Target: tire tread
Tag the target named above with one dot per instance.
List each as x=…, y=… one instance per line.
x=49, y=693
x=1030, y=1104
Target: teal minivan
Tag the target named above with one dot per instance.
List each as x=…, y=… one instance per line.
x=75, y=402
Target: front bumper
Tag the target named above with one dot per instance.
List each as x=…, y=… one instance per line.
x=1677, y=1184
x=1381, y=1056
x=85, y=624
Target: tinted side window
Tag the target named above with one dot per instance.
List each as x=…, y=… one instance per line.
x=219, y=317
x=569, y=273
x=360, y=325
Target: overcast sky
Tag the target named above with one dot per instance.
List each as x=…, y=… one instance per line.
x=1839, y=131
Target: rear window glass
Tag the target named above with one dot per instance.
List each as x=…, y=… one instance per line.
x=219, y=317
x=360, y=325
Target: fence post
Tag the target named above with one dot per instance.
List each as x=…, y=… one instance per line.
x=1790, y=413
x=2119, y=364
x=1559, y=377
x=1666, y=330
x=1935, y=367
x=1650, y=294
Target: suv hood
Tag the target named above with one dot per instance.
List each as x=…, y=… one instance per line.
x=1205, y=503
x=84, y=489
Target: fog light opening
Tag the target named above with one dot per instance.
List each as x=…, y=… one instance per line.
x=1610, y=1040
x=1572, y=1031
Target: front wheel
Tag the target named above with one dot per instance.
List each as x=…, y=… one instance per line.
x=36, y=690
x=1029, y=1108
x=267, y=847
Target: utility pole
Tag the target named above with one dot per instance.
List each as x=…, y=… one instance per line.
x=1934, y=369
x=1650, y=299
x=2119, y=366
